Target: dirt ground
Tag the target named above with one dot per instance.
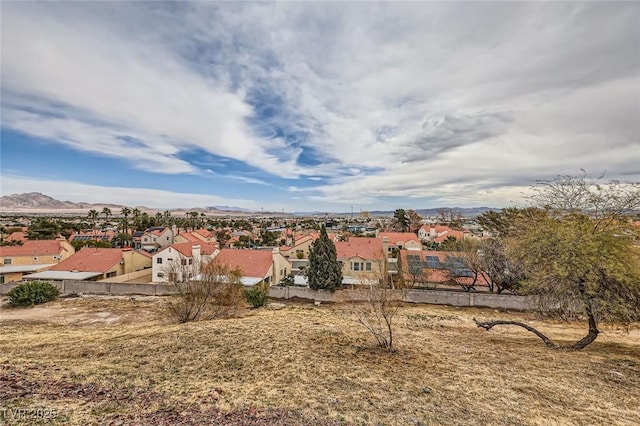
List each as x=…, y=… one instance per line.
x=116, y=360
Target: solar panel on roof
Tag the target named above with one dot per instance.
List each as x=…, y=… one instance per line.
x=433, y=262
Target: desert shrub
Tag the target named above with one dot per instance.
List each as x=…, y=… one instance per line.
x=257, y=296
x=214, y=293
x=33, y=293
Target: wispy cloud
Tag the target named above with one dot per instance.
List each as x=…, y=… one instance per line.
x=448, y=102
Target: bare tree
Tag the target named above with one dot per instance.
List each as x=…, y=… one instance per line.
x=376, y=304
x=412, y=270
x=202, y=291
x=450, y=217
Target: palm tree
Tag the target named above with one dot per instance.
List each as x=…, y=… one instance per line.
x=125, y=220
x=93, y=216
x=194, y=218
x=106, y=212
x=136, y=218
x=159, y=219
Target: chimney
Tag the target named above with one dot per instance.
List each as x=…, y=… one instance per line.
x=195, y=251
x=385, y=246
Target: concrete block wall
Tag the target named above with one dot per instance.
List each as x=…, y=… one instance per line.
x=434, y=297
x=103, y=288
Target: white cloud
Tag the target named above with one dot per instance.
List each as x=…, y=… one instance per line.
x=129, y=87
x=464, y=104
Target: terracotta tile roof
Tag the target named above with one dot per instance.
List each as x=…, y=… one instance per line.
x=365, y=248
x=186, y=248
x=252, y=263
x=33, y=248
x=306, y=238
x=205, y=233
x=458, y=235
x=439, y=275
x=17, y=236
x=438, y=228
x=189, y=236
x=158, y=232
x=90, y=259
x=399, y=237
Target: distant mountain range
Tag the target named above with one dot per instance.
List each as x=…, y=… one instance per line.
x=41, y=203
x=38, y=202
x=464, y=211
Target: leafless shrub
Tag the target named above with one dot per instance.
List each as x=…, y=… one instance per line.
x=203, y=292
x=376, y=302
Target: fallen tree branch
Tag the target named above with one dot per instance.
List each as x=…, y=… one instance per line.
x=580, y=344
x=488, y=325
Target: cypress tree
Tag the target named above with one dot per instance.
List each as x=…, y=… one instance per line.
x=324, y=271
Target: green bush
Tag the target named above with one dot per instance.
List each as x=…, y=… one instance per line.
x=32, y=293
x=257, y=296
x=287, y=281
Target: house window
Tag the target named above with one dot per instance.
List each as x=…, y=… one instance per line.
x=190, y=261
x=357, y=266
x=1, y=279
x=183, y=261
x=35, y=258
x=160, y=274
x=167, y=238
x=159, y=261
x=170, y=259
x=368, y=266
x=7, y=261
x=111, y=274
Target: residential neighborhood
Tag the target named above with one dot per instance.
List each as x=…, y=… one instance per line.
x=122, y=252
x=320, y=213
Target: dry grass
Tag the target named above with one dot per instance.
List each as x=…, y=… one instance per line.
x=314, y=361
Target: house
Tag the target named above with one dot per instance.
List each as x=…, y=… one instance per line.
x=157, y=237
x=20, y=236
x=400, y=241
x=94, y=264
x=299, y=249
x=446, y=269
x=202, y=235
x=256, y=266
x=439, y=234
x=188, y=256
x=31, y=256
x=362, y=258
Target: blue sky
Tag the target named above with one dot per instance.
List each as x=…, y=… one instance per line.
x=315, y=106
